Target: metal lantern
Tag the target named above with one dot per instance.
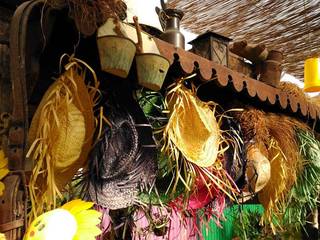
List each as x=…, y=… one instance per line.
x=312, y=75
x=212, y=46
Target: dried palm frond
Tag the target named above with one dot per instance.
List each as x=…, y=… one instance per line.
x=272, y=196
x=283, y=130
x=89, y=15
x=293, y=90
x=253, y=125
x=315, y=100
x=60, y=135
x=304, y=194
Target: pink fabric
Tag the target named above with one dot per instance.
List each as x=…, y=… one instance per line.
x=105, y=224
x=178, y=227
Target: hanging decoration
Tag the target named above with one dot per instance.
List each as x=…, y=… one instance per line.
x=123, y=161
x=73, y=221
x=60, y=135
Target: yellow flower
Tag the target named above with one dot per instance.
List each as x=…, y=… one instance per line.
x=2, y=236
x=3, y=171
x=73, y=221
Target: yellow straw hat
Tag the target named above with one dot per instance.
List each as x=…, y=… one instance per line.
x=60, y=135
x=192, y=127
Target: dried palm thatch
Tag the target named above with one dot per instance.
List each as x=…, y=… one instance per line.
x=315, y=100
x=60, y=135
x=293, y=90
x=89, y=15
x=278, y=24
x=253, y=125
x=278, y=134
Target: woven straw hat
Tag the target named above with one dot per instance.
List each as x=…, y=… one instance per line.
x=60, y=135
x=258, y=168
x=192, y=127
x=124, y=160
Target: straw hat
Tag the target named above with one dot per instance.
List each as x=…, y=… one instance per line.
x=192, y=127
x=124, y=160
x=258, y=168
x=60, y=135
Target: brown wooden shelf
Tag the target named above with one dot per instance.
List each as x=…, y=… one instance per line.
x=225, y=77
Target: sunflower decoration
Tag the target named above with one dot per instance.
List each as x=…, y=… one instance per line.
x=3, y=170
x=2, y=236
x=60, y=135
x=73, y=221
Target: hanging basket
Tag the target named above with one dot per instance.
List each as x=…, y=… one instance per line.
x=116, y=54
x=152, y=70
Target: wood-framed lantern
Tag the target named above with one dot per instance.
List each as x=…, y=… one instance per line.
x=212, y=46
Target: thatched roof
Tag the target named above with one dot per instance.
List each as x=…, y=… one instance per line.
x=279, y=24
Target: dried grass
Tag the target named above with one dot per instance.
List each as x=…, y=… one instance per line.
x=293, y=90
x=253, y=125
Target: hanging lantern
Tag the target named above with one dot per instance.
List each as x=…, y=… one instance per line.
x=312, y=75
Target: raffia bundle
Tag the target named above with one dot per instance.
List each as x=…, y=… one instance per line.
x=275, y=137
x=60, y=136
x=256, y=135
x=272, y=196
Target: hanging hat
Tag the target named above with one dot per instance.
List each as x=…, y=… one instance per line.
x=73, y=221
x=258, y=169
x=124, y=160
x=60, y=136
x=192, y=127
